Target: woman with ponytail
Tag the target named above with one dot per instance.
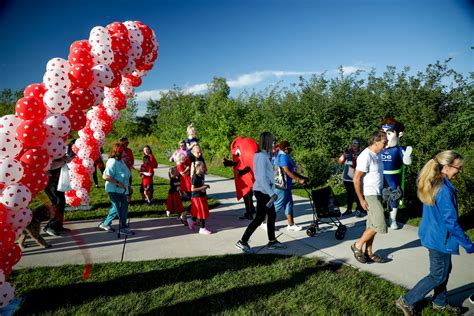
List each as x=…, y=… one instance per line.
x=439, y=230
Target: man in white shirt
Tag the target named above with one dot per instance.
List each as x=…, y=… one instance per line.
x=368, y=183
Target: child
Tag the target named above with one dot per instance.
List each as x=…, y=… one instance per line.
x=199, y=206
x=146, y=172
x=173, y=203
x=183, y=165
x=192, y=138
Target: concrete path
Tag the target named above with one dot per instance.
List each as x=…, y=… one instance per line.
x=168, y=238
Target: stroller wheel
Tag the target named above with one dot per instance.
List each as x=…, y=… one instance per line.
x=341, y=232
x=311, y=231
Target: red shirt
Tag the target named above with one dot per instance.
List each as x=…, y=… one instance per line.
x=127, y=157
x=153, y=162
x=185, y=179
x=147, y=180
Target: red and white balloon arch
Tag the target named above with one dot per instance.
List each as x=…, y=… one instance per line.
x=83, y=93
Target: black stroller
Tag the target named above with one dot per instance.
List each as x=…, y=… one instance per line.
x=324, y=206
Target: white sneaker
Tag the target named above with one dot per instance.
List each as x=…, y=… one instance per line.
x=168, y=213
x=264, y=226
x=204, y=231
x=294, y=228
x=394, y=226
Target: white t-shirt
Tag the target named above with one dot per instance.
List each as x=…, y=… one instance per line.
x=371, y=164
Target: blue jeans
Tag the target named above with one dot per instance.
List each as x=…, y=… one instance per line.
x=119, y=208
x=440, y=267
x=285, y=201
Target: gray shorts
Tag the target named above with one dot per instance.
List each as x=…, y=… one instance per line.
x=375, y=215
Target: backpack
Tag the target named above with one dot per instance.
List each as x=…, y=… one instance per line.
x=279, y=175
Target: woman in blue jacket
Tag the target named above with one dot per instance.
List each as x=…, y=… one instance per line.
x=439, y=230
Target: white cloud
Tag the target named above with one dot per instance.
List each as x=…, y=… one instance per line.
x=246, y=80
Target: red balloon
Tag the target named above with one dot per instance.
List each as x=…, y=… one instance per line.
x=80, y=75
x=81, y=56
x=31, y=133
x=120, y=42
x=35, y=159
x=7, y=236
x=9, y=257
x=120, y=100
x=80, y=44
x=74, y=201
x=81, y=98
x=77, y=118
x=134, y=81
x=145, y=67
x=35, y=180
x=30, y=108
x=117, y=27
x=120, y=61
x=35, y=90
x=117, y=79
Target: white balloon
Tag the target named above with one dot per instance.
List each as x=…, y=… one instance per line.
x=57, y=64
x=109, y=102
x=131, y=66
x=57, y=101
x=9, y=145
x=96, y=125
x=134, y=33
x=57, y=79
x=98, y=94
x=113, y=113
x=139, y=73
x=127, y=89
x=7, y=293
x=15, y=196
x=99, y=36
x=8, y=124
x=57, y=125
x=135, y=51
x=85, y=200
x=102, y=54
x=11, y=170
x=56, y=147
x=20, y=219
x=103, y=75
x=99, y=135
x=80, y=193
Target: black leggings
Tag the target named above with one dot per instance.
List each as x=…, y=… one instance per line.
x=262, y=211
x=352, y=196
x=248, y=200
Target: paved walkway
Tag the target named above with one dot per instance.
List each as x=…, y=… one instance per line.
x=167, y=238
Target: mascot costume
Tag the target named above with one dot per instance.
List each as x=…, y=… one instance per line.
x=394, y=158
x=243, y=150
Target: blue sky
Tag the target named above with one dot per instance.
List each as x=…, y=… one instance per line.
x=252, y=43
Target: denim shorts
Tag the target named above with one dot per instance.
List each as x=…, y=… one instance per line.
x=285, y=201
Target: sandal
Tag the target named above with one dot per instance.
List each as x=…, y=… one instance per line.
x=374, y=258
x=358, y=254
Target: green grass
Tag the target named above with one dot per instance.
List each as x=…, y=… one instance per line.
x=226, y=285
x=137, y=208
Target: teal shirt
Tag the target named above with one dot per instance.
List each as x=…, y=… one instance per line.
x=118, y=170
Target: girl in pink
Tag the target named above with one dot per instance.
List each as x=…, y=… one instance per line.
x=199, y=205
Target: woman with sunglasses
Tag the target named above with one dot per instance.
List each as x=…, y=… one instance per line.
x=439, y=231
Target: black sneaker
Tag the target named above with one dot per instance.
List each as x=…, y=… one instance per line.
x=447, y=308
x=404, y=307
x=275, y=245
x=243, y=246
x=51, y=232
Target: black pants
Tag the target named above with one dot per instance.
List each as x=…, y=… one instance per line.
x=262, y=211
x=248, y=200
x=351, y=196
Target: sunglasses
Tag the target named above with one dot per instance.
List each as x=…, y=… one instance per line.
x=455, y=167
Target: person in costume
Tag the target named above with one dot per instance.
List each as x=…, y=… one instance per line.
x=243, y=150
x=394, y=158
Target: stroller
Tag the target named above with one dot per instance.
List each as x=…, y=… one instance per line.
x=324, y=207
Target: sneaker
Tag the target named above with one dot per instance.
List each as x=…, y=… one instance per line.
x=294, y=228
x=51, y=232
x=190, y=224
x=204, y=231
x=126, y=231
x=404, y=307
x=394, y=226
x=346, y=213
x=359, y=214
x=264, y=226
x=243, y=246
x=447, y=308
x=275, y=244
x=107, y=228
x=168, y=213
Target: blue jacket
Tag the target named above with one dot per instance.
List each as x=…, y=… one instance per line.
x=439, y=228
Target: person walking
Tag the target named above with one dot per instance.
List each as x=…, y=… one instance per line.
x=368, y=183
x=349, y=160
x=439, y=231
x=285, y=197
x=264, y=190
x=116, y=176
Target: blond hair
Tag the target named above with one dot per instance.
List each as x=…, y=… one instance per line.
x=430, y=177
x=180, y=158
x=191, y=130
